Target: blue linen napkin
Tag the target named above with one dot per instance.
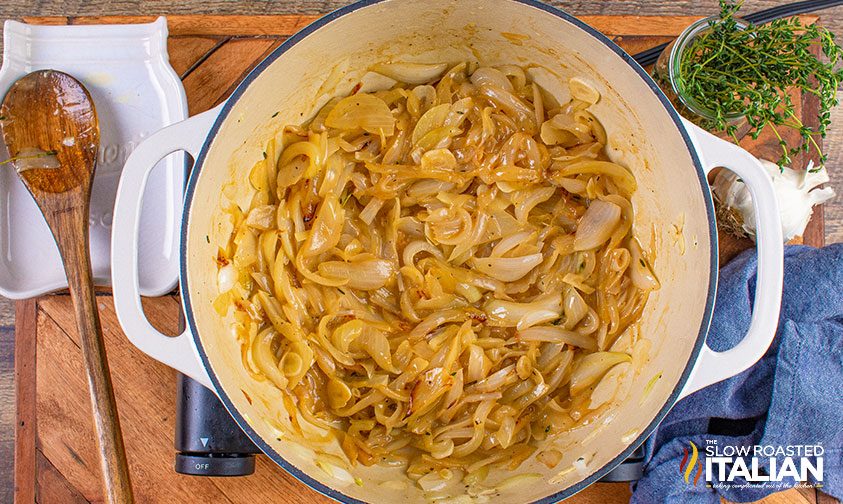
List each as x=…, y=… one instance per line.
x=793, y=396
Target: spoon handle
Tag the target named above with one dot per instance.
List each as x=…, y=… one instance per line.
x=70, y=228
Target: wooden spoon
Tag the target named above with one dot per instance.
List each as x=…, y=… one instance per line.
x=52, y=134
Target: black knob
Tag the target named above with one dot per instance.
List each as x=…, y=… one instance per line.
x=209, y=441
x=215, y=465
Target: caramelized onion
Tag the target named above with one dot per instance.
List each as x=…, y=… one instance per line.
x=411, y=73
x=507, y=269
x=366, y=274
x=438, y=272
x=553, y=334
x=597, y=225
x=364, y=111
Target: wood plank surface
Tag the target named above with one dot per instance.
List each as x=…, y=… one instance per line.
x=189, y=52
x=25, y=364
x=210, y=86
x=7, y=410
x=52, y=487
x=211, y=54
x=246, y=25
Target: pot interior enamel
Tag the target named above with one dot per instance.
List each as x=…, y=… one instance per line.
x=672, y=209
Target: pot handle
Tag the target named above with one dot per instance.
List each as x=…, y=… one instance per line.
x=178, y=352
x=712, y=367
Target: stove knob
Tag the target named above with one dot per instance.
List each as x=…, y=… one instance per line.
x=207, y=464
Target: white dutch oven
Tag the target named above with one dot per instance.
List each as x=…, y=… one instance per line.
x=669, y=157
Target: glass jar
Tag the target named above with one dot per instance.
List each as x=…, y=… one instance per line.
x=669, y=66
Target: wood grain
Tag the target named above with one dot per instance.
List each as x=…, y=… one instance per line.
x=25, y=412
x=212, y=82
x=147, y=406
x=52, y=487
x=186, y=52
x=7, y=411
x=248, y=25
x=815, y=231
x=63, y=195
x=834, y=147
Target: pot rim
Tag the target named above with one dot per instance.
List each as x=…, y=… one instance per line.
x=325, y=21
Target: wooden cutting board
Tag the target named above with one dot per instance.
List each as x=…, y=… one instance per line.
x=55, y=455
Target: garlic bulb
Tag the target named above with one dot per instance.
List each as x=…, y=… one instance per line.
x=796, y=191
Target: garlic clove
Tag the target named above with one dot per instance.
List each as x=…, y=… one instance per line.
x=797, y=191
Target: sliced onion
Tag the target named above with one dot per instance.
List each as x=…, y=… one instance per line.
x=375, y=344
x=478, y=364
x=596, y=225
x=265, y=360
x=262, y=217
x=247, y=248
x=581, y=90
x=508, y=101
x=518, y=480
x=506, y=432
x=432, y=482
x=458, y=113
x=438, y=159
x=226, y=278
x=327, y=227
x=430, y=386
x=412, y=73
x=574, y=306
x=607, y=388
x=367, y=274
x=491, y=76
x=346, y=333
x=456, y=389
x=527, y=200
x=370, y=211
x=572, y=185
x=554, y=334
x=567, y=122
x=471, y=293
x=364, y=111
x=333, y=470
x=431, y=120
x=421, y=99
x=496, y=380
x=535, y=318
x=510, y=242
x=640, y=273
x=592, y=367
x=507, y=269
x=30, y=158
x=433, y=321
x=508, y=313
x=551, y=135
x=550, y=458
x=428, y=187
x=414, y=248
x=620, y=175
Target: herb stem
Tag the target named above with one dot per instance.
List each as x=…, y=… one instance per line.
x=731, y=70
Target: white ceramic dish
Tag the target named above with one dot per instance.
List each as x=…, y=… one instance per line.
x=136, y=92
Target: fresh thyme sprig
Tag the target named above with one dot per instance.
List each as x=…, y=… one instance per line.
x=731, y=70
